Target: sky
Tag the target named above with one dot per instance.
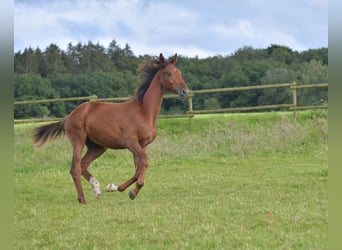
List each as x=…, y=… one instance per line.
x=201, y=28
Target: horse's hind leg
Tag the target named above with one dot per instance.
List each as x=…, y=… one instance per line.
x=77, y=138
x=94, y=151
x=76, y=171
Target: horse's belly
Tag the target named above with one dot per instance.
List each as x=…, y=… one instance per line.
x=107, y=142
x=108, y=138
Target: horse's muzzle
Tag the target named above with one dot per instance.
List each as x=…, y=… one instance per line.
x=183, y=92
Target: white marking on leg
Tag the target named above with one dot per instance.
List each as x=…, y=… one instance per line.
x=96, y=186
x=111, y=187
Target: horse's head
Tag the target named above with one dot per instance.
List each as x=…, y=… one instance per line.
x=171, y=77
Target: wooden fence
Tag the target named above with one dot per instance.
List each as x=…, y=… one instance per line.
x=191, y=112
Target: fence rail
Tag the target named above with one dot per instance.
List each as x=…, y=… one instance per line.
x=191, y=112
x=292, y=106
x=68, y=99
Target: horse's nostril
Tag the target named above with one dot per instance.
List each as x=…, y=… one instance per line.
x=184, y=92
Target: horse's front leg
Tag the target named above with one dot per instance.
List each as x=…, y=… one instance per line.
x=112, y=187
x=141, y=164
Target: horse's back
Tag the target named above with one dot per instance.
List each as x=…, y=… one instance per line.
x=96, y=110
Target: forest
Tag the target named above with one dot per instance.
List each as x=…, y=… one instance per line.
x=93, y=69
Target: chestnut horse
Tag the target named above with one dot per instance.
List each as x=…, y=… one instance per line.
x=129, y=125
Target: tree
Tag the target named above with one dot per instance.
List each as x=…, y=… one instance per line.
x=315, y=54
x=93, y=58
x=32, y=87
x=212, y=103
x=73, y=58
x=27, y=62
x=281, y=54
x=277, y=95
x=312, y=72
x=248, y=53
x=53, y=61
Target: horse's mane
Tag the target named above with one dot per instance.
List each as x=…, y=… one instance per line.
x=146, y=72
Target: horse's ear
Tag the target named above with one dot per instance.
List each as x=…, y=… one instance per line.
x=161, y=58
x=174, y=59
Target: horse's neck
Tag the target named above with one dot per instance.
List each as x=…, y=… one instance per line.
x=153, y=99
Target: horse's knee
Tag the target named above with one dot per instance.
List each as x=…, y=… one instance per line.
x=145, y=162
x=136, y=176
x=75, y=174
x=72, y=173
x=140, y=184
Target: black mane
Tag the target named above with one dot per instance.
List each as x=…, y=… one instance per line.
x=147, y=71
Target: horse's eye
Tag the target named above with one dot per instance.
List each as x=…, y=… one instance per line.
x=169, y=74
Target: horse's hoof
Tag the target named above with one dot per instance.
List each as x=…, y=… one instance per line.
x=111, y=188
x=96, y=194
x=82, y=201
x=131, y=195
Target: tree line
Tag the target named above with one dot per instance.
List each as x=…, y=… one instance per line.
x=92, y=69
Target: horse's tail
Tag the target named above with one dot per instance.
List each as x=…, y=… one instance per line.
x=48, y=132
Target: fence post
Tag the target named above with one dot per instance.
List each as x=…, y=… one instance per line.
x=93, y=98
x=294, y=99
x=190, y=107
x=190, y=103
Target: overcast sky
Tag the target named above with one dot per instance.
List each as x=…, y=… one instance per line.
x=200, y=28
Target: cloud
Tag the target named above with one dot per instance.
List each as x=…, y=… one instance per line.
x=242, y=29
x=189, y=27
x=125, y=21
x=322, y=4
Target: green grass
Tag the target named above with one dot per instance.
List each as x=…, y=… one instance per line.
x=235, y=181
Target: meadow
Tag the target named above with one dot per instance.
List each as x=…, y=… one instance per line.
x=228, y=181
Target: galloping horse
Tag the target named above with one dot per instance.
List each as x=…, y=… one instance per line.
x=129, y=125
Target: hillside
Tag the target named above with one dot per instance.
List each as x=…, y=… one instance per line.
x=92, y=69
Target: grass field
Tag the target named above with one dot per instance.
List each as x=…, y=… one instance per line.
x=234, y=181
